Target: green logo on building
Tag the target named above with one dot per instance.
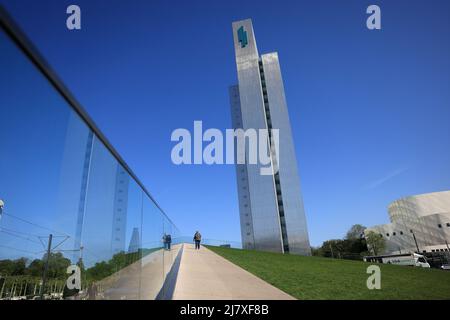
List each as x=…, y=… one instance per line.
x=242, y=37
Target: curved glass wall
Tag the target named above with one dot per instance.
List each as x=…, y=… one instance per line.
x=71, y=207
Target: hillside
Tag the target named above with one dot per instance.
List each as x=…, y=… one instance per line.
x=325, y=278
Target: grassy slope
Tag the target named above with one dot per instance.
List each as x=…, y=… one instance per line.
x=324, y=278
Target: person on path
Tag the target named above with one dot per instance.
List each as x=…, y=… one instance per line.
x=197, y=240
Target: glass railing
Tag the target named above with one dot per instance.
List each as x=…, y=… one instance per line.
x=76, y=222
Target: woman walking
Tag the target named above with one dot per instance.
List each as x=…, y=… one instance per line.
x=197, y=239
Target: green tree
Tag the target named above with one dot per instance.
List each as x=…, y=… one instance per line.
x=57, y=265
x=316, y=251
x=35, y=268
x=375, y=242
x=100, y=270
x=331, y=248
x=356, y=232
x=338, y=248
x=13, y=267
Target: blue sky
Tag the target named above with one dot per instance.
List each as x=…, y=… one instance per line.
x=369, y=109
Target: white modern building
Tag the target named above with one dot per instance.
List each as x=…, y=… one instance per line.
x=271, y=208
x=419, y=223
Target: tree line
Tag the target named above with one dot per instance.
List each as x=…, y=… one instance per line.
x=355, y=245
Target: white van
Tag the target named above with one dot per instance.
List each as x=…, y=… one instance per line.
x=407, y=259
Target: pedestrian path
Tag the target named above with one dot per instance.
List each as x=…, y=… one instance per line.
x=204, y=274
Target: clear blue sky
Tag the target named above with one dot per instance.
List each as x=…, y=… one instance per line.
x=370, y=110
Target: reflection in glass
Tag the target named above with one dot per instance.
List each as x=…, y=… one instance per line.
x=152, y=254
x=70, y=205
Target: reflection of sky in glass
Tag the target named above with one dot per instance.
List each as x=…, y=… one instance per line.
x=43, y=148
x=99, y=203
x=152, y=225
x=57, y=177
x=71, y=179
x=31, y=149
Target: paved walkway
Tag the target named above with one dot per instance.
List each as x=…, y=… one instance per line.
x=205, y=275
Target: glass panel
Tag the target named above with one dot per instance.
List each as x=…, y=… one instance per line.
x=33, y=148
x=111, y=235
x=65, y=193
x=152, y=251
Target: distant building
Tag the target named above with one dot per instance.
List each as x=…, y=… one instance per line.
x=419, y=223
x=120, y=213
x=135, y=241
x=271, y=208
x=83, y=195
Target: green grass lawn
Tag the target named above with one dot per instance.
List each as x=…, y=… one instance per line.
x=325, y=278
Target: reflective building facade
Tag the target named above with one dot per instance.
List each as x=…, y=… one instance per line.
x=60, y=179
x=419, y=223
x=271, y=208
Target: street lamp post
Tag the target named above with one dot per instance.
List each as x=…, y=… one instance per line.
x=415, y=240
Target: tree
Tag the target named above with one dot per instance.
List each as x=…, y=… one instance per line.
x=100, y=271
x=35, y=268
x=347, y=249
x=375, y=242
x=19, y=266
x=13, y=267
x=331, y=248
x=57, y=265
x=355, y=232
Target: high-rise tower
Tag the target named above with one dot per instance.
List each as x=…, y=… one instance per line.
x=271, y=208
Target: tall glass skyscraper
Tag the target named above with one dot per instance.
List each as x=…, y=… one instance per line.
x=271, y=208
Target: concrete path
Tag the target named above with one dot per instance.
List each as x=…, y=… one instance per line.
x=205, y=275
